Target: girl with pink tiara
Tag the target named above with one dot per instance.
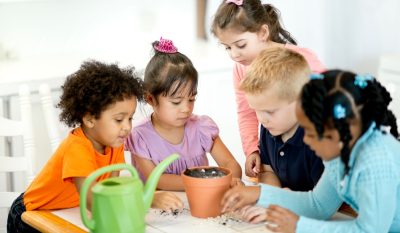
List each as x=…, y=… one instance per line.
x=245, y=28
x=170, y=83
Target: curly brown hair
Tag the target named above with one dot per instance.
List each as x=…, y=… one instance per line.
x=94, y=87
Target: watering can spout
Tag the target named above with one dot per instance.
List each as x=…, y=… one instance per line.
x=152, y=181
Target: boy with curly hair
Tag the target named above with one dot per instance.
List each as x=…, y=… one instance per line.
x=99, y=100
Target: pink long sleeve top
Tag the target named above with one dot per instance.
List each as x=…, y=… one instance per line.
x=247, y=119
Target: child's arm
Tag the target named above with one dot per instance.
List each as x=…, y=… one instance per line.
x=268, y=176
x=224, y=158
x=169, y=182
x=78, y=181
x=247, y=118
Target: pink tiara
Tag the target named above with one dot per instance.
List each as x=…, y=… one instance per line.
x=236, y=2
x=166, y=46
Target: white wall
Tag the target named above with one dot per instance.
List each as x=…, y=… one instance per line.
x=335, y=29
x=344, y=34
x=113, y=30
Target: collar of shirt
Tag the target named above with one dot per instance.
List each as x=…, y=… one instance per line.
x=295, y=140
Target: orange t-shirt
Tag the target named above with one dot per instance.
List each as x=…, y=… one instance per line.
x=53, y=187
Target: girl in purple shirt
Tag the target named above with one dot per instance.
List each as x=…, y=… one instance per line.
x=170, y=83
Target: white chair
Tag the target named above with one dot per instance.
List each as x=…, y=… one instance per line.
x=16, y=163
x=50, y=116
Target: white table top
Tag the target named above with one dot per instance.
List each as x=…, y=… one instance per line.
x=159, y=221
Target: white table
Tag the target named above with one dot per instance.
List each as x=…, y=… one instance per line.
x=159, y=222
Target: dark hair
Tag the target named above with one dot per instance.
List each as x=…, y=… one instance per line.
x=94, y=87
x=368, y=103
x=250, y=16
x=168, y=73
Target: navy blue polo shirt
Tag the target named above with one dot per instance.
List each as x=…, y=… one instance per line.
x=295, y=164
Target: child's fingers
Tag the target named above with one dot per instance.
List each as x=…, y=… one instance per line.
x=279, y=209
x=173, y=201
x=170, y=206
x=254, y=166
x=244, y=209
x=258, y=219
x=255, y=214
x=178, y=203
x=272, y=227
x=249, y=170
x=255, y=170
x=276, y=216
x=167, y=201
x=227, y=200
x=257, y=165
x=231, y=204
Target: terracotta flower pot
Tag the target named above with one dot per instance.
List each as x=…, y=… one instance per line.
x=205, y=194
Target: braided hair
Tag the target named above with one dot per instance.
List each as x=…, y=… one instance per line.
x=366, y=100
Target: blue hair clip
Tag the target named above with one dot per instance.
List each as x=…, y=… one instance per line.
x=361, y=80
x=339, y=111
x=316, y=76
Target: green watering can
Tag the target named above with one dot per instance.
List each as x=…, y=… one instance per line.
x=119, y=204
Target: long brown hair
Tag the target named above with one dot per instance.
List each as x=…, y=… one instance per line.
x=250, y=16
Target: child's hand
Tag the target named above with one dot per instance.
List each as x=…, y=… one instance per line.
x=239, y=196
x=236, y=181
x=252, y=165
x=253, y=214
x=281, y=220
x=166, y=201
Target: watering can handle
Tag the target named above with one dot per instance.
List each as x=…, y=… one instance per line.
x=89, y=223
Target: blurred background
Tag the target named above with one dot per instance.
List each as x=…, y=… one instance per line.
x=42, y=41
x=347, y=34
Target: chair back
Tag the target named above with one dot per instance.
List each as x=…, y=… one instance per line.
x=10, y=163
x=50, y=116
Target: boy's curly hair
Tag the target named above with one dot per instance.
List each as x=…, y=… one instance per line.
x=94, y=87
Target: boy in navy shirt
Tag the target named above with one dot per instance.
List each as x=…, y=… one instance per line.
x=272, y=85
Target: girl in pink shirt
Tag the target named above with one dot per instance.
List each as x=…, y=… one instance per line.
x=170, y=82
x=245, y=28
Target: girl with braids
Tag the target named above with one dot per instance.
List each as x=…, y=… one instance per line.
x=245, y=28
x=343, y=115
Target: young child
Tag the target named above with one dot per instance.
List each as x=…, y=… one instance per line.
x=343, y=115
x=245, y=28
x=273, y=82
x=170, y=82
x=99, y=100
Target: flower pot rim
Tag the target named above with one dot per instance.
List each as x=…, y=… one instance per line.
x=214, y=178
